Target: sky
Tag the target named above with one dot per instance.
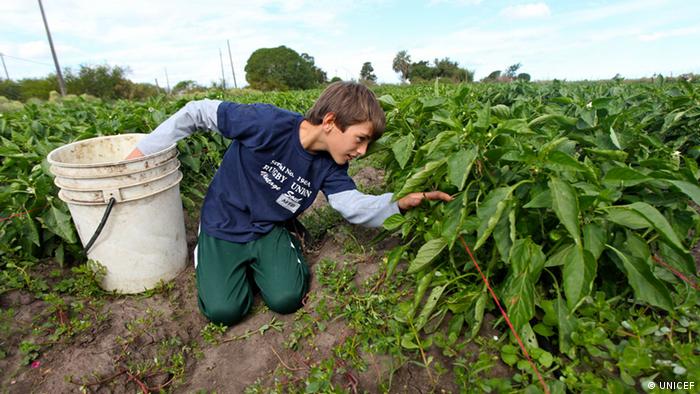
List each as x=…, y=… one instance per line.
x=176, y=40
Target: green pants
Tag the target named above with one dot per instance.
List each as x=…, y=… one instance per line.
x=227, y=274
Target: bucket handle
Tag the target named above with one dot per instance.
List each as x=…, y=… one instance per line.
x=87, y=247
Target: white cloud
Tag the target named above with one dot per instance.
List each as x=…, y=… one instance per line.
x=614, y=10
x=681, y=32
x=526, y=11
x=458, y=2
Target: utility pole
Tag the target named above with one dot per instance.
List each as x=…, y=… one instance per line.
x=4, y=66
x=235, y=85
x=167, y=81
x=223, y=79
x=61, y=82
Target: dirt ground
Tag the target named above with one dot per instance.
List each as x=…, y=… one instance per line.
x=164, y=334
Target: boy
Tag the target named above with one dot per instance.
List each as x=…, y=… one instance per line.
x=275, y=165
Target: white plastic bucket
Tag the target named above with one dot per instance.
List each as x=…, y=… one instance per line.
x=143, y=240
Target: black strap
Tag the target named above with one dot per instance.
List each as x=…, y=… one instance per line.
x=101, y=225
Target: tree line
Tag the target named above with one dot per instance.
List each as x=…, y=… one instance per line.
x=279, y=68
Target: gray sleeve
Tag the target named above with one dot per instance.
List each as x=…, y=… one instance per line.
x=195, y=115
x=364, y=209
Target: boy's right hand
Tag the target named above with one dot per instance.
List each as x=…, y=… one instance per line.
x=136, y=153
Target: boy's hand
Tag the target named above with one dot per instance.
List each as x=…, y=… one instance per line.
x=136, y=153
x=414, y=199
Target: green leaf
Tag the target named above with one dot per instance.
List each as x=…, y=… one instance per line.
x=443, y=141
x=565, y=322
x=408, y=341
x=527, y=257
x=394, y=221
x=426, y=254
x=659, y=222
x=387, y=101
x=455, y=215
x=502, y=234
x=624, y=216
x=616, y=155
x=423, y=284
x=683, y=261
x=579, y=272
x=403, y=149
x=565, y=205
x=455, y=328
x=459, y=165
x=589, y=117
x=689, y=189
x=560, y=257
x=520, y=299
x=625, y=176
x=445, y=117
x=29, y=231
x=419, y=179
x=478, y=316
x=561, y=161
x=594, y=239
x=562, y=120
x=59, y=223
x=392, y=260
x=614, y=139
x=646, y=287
x=429, y=306
x=543, y=330
x=509, y=354
x=432, y=102
x=542, y=200
x=489, y=213
x=526, y=263
x=501, y=111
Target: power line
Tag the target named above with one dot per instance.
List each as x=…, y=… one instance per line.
x=26, y=60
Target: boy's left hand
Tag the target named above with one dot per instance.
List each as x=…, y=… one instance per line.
x=414, y=199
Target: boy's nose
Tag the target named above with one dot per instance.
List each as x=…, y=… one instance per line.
x=362, y=149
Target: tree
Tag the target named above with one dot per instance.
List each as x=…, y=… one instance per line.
x=367, y=73
x=422, y=71
x=402, y=64
x=321, y=76
x=38, y=87
x=523, y=77
x=443, y=68
x=10, y=89
x=187, y=86
x=493, y=77
x=451, y=70
x=102, y=81
x=282, y=68
x=512, y=70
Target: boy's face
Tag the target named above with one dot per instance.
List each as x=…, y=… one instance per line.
x=348, y=145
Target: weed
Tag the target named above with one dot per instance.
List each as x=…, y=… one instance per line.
x=212, y=332
x=29, y=351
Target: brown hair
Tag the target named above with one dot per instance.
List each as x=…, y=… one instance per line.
x=351, y=103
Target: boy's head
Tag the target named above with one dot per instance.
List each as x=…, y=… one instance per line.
x=351, y=103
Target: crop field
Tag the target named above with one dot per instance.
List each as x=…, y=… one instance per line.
x=567, y=261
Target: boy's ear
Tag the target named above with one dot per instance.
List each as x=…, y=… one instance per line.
x=328, y=121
